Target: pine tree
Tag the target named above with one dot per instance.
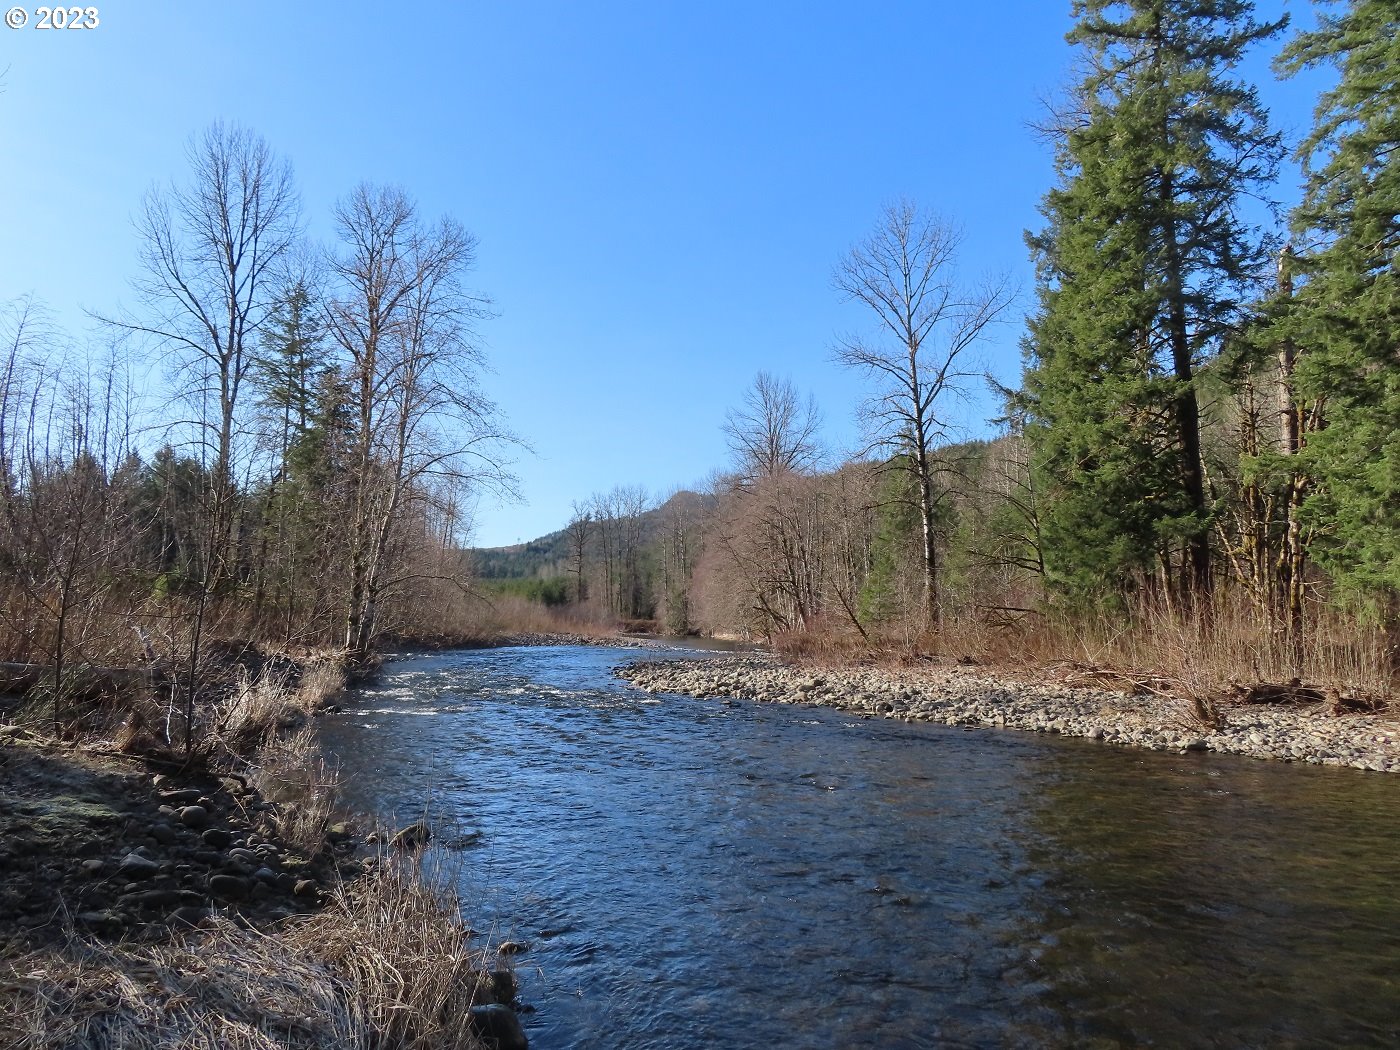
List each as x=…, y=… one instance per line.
x=1143, y=265
x=290, y=369
x=1347, y=313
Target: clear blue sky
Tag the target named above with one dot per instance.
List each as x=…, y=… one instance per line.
x=660, y=189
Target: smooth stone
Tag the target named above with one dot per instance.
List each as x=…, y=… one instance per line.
x=162, y=833
x=228, y=887
x=504, y=985
x=190, y=915
x=101, y=920
x=217, y=837
x=194, y=816
x=149, y=898
x=135, y=866
x=184, y=797
x=415, y=836
x=497, y=1025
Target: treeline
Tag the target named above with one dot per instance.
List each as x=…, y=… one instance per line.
x=301, y=476
x=1204, y=449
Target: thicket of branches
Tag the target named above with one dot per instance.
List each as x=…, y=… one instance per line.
x=296, y=470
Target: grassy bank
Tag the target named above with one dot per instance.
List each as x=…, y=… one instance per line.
x=161, y=895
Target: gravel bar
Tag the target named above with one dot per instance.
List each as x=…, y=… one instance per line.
x=963, y=697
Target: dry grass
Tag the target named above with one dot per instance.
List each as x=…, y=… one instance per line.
x=1192, y=656
x=291, y=771
x=322, y=680
x=511, y=614
x=256, y=707
x=386, y=964
x=405, y=952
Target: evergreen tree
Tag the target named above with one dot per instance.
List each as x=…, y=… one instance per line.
x=1346, y=317
x=1143, y=265
x=290, y=369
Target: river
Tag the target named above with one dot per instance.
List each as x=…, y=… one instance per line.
x=699, y=873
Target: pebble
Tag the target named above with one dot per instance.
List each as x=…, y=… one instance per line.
x=963, y=697
x=194, y=816
x=135, y=866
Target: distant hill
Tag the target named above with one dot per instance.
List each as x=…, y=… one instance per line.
x=549, y=554
x=522, y=561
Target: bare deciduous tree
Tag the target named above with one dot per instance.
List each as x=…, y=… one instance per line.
x=904, y=272
x=419, y=417
x=774, y=430
x=211, y=252
x=580, y=527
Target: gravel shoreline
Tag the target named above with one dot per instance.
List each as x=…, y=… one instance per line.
x=963, y=697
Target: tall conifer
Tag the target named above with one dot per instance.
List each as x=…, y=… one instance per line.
x=1346, y=316
x=1143, y=265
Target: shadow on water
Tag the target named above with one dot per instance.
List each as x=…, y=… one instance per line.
x=690, y=873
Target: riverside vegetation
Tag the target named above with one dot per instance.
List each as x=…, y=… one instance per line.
x=1194, y=481
x=221, y=901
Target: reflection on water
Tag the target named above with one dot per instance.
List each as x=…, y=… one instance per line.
x=691, y=874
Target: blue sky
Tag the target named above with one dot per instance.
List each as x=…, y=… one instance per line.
x=660, y=190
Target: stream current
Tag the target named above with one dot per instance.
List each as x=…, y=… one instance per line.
x=702, y=873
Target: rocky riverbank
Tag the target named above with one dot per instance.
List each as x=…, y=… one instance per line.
x=94, y=842
x=148, y=902
x=975, y=697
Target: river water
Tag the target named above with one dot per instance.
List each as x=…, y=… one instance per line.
x=696, y=873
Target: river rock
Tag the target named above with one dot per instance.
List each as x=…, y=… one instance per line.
x=496, y=1025
x=162, y=833
x=194, y=816
x=135, y=866
x=105, y=922
x=190, y=915
x=149, y=898
x=219, y=838
x=504, y=986
x=415, y=836
x=229, y=887
x=183, y=797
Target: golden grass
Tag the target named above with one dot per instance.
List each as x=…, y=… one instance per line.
x=1188, y=654
x=291, y=771
x=386, y=964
